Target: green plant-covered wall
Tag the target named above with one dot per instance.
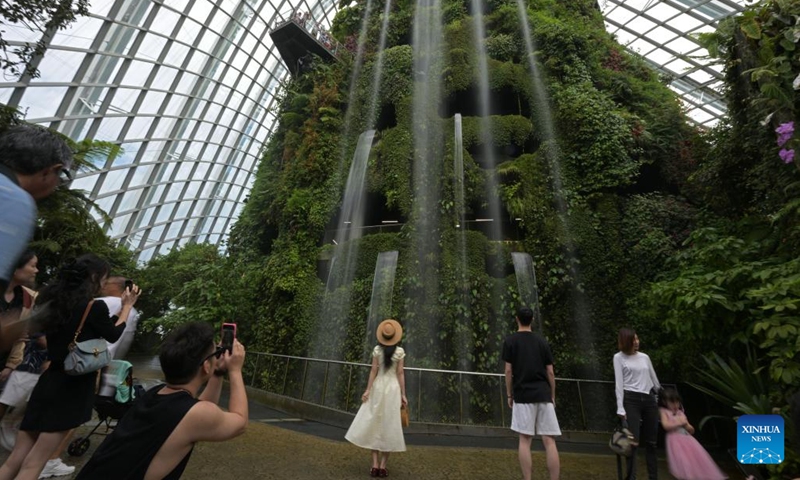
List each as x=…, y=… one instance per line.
x=612, y=117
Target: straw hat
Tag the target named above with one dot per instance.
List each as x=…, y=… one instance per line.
x=389, y=332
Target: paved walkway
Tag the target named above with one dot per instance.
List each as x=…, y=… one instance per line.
x=278, y=446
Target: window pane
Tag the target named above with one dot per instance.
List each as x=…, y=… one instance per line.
x=152, y=102
x=59, y=66
x=80, y=34
x=111, y=128
x=165, y=22
x=41, y=102
x=164, y=78
x=137, y=73
x=151, y=46
x=113, y=181
x=142, y=175
x=177, y=54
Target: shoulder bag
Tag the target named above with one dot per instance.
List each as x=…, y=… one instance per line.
x=622, y=440
x=87, y=356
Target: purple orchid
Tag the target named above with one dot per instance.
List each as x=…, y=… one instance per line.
x=786, y=155
x=785, y=132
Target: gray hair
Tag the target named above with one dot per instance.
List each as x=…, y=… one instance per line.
x=28, y=149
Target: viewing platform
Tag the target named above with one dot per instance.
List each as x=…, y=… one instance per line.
x=299, y=38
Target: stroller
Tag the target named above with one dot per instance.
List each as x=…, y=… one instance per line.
x=114, y=398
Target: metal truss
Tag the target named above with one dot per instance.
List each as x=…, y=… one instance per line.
x=662, y=32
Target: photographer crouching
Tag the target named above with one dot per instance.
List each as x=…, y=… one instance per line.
x=156, y=437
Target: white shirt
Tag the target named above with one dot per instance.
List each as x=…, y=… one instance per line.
x=120, y=348
x=634, y=373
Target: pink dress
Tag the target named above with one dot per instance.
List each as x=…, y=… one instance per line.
x=687, y=459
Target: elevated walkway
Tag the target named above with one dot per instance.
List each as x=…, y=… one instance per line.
x=299, y=38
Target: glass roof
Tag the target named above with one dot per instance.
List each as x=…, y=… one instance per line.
x=185, y=87
x=661, y=32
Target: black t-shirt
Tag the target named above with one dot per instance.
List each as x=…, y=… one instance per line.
x=127, y=452
x=529, y=354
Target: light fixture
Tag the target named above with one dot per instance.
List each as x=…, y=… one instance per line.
x=334, y=242
x=389, y=221
x=347, y=223
x=484, y=219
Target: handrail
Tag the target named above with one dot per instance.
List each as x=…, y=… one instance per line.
x=419, y=369
x=438, y=396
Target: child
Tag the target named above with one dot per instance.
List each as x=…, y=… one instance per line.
x=687, y=459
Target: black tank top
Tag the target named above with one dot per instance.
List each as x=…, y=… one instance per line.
x=128, y=451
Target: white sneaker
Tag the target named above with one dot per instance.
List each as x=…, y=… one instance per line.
x=56, y=468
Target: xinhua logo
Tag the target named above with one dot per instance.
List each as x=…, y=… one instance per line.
x=759, y=439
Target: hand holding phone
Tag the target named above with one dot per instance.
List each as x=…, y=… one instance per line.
x=129, y=284
x=228, y=335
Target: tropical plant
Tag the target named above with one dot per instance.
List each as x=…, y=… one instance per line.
x=742, y=387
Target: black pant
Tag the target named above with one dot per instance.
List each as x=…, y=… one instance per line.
x=642, y=415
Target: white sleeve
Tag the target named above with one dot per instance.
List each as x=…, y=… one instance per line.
x=653, y=376
x=618, y=384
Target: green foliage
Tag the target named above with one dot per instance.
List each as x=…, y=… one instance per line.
x=733, y=284
x=598, y=151
x=502, y=47
x=38, y=17
x=742, y=387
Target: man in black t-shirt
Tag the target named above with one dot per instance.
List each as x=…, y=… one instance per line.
x=529, y=370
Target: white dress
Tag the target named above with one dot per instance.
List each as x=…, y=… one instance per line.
x=377, y=424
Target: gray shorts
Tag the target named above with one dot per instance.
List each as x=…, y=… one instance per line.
x=535, y=419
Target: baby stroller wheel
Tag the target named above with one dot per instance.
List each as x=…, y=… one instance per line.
x=78, y=447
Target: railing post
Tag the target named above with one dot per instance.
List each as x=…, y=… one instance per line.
x=347, y=397
x=325, y=382
x=503, y=403
x=419, y=397
x=255, y=369
x=303, y=385
x=285, y=374
x=460, y=400
x=583, y=411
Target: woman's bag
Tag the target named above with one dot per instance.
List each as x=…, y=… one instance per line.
x=622, y=440
x=404, y=416
x=87, y=356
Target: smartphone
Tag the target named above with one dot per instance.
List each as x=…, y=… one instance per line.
x=228, y=335
x=129, y=284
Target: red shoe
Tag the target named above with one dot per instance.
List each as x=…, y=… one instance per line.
x=383, y=473
x=374, y=472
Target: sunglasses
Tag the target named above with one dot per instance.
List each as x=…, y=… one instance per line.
x=216, y=353
x=65, y=176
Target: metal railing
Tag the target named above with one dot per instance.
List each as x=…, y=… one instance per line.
x=441, y=396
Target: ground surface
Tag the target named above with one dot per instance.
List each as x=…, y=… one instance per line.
x=279, y=447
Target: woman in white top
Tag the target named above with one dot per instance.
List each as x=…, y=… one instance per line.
x=636, y=382
x=377, y=425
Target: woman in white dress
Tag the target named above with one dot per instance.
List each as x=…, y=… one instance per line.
x=377, y=425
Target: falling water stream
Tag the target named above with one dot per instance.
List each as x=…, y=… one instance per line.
x=544, y=121
x=487, y=141
x=427, y=41
x=380, y=305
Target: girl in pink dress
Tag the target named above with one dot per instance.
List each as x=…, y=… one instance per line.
x=687, y=459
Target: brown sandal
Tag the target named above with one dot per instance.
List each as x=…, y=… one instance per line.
x=374, y=472
x=383, y=473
